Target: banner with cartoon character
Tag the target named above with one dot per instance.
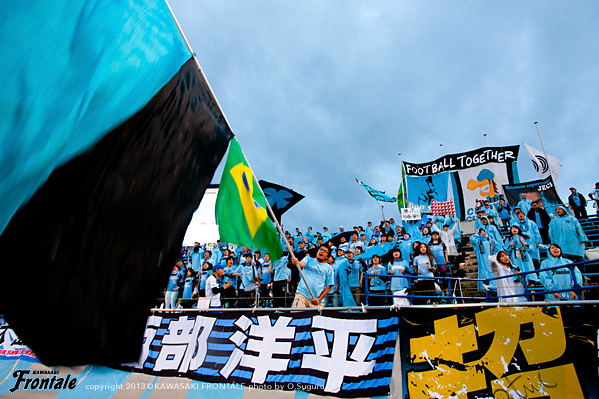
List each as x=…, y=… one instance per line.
x=423, y=190
x=464, y=177
x=483, y=182
x=537, y=352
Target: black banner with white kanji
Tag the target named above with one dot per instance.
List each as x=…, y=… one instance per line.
x=332, y=353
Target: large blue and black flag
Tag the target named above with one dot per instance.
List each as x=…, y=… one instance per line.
x=377, y=194
x=279, y=198
x=109, y=135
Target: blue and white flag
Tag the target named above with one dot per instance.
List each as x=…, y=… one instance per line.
x=376, y=194
x=545, y=166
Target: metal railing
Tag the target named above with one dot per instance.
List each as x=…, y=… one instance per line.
x=450, y=297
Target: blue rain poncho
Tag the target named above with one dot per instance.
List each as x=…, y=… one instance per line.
x=521, y=255
x=405, y=247
x=524, y=205
x=490, y=211
x=493, y=232
x=530, y=229
x=483, y=247
x=412, y=229
x=478, y=223
x=343, y=271
x=568, y=234
x=558, y=279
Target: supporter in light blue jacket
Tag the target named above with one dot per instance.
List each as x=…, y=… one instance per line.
x=565, y=230
x=491, y=230
x=406, y=247
x=398, y=267
x=524, y=204
x=520, y=252
x=196, y=258
x=438, y=221
x=530, y=229
x=558, y=279
x=411, y=227
x=483, y=248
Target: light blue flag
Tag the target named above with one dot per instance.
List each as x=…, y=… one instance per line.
x=72, y=71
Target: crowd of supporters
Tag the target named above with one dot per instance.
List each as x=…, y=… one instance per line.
x=388, y=259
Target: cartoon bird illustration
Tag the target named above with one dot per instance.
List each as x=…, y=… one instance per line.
x=485, y=183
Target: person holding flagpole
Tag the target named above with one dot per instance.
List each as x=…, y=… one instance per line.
x=241, y=210
x=318, y=279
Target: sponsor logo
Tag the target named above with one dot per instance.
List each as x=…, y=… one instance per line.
x=46, y=383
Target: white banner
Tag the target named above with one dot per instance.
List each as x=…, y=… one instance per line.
x=411, y=213
x=545, y=166
x=482, y=183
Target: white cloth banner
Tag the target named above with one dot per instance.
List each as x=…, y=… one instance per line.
x=545, y=166
x=482, y=183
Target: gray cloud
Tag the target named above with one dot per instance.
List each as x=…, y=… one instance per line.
x=321, y=92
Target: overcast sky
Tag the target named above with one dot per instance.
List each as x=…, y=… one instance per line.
x=319, y=93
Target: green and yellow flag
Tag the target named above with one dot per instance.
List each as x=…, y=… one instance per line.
x=241, y=207
x=402, y=192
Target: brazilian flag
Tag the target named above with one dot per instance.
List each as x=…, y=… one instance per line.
x=402, y=192
x=241, y=207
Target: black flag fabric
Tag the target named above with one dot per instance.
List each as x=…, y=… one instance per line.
x=279, y=198
x=85, y=259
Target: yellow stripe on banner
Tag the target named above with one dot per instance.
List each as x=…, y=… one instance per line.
x=255, y=215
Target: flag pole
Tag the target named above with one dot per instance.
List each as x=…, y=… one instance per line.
x=197, y=63
x=279, y=228
x=278, y=225
x=544, y=152
x=404, y=192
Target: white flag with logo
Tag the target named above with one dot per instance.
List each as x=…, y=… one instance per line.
x=545, y=167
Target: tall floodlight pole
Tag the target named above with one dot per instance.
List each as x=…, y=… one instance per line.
x=486, y=141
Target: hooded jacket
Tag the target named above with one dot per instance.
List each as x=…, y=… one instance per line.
x=567, y=233
x=558, y=279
